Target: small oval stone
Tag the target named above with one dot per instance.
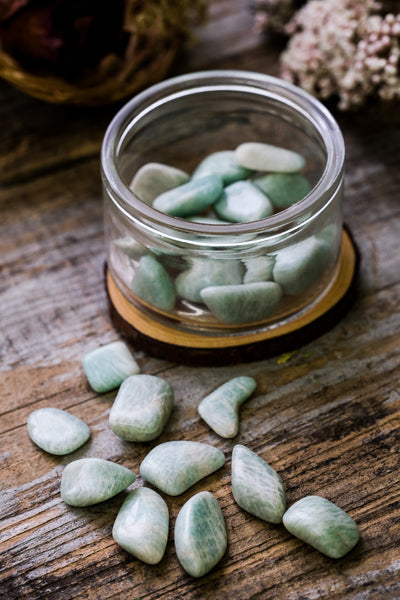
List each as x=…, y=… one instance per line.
x=258, y=268
x=57, y=431
x=205, y=272
x=131, y=247
x=153, y=179
x=320, y=523
x=108, y=366
x=200, y=534
x=141, y=526
x=265, y=157
x=173, y=467
x=224, y=165
x=243, y=202
x=89, y=481
x=152, y=284
x=190, y=198
x=256, y=487
x=220, y=409
x=283, y=189
x=142, y=408
x=246, y=303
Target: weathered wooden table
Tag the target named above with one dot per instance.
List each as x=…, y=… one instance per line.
x=326, y=417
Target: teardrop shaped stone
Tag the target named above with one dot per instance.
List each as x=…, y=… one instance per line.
x=258, y=268
x=246, y=303
x=264, y=157
x=200, y=534
x=224, y=165
x=205, y=272
x=152, y=284
x=220, y=409
x=88, y=481
x=173, y=467
x=141, y=408
x=242, y=202
x=190, y=198
x=323, y=525
x=141, y=526
x=153, y=179
x=108, y=366
x=256, y=487
x=283, y=189
x=57, y=431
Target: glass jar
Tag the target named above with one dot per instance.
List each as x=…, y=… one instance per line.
x=269, y=271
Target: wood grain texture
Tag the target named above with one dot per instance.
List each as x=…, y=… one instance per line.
x=326, y=417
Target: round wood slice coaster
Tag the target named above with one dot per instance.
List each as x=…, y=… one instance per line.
x=165, y=341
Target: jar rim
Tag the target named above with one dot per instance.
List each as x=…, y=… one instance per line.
x=217, y=80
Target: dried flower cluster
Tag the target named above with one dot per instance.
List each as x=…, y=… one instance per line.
x=349, y=49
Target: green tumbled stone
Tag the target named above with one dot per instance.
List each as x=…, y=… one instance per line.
x=141, y=526
x=208, y=220
x=174, y=467
x=256, y=487
x=299, y=266
x=258, y=268
x=264, y=157
x=131, y=247
x=200, y=534
x=88, y=481
x=107, y=367
x=154, y=179
x=190, y=198
x=205, y=272
x=224, y=165
x=242, y=202
x=142, y=408
x=329, y=234
x=220, y=409
x=283, y=189
x=57, y=431
x=152, y=284
x=247, y=303
x=323, y=525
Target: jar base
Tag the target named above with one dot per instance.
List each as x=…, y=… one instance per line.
x=164, y=341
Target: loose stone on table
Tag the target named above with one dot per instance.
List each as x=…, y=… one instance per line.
x=57, y=431
x=108, y=366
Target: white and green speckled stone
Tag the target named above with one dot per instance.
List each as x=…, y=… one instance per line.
x=173, y=467
x=298, y=266
x=264, y=157
x=142, y=408
x=242, y=202
x=141, y=526
x=108, y=366
x=57, y=431
x=220, y=409
x=258, y=268
x=153, y=179
x=151, y=283
x=224, y=165
x=190, y=198
x=131, y=247
x=205, y=272
x=200, y=534
x=283, y=189
x=323, y=525
x=256, y=487
x=246, y=303
x=89, y=481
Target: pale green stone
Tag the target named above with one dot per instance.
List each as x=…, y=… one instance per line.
x=264, y=157
x=258, y=268
x=154, y=179
x=152, y=284
x=299, y=266
x=57, y=431
x=173, y=467
x=323, y=525
x=141, y=526
x=205, y=272
x=329, y=234
x=142, y=408
x=283, y=189
x=208, y=220
x=108, y=366
x=242, y=202
x=224, y=165
x=247, y=303
x=220, y=409
x=190, y=198
x=131, y=247
x=88, y=481
x=200, y=534
x=256, y=487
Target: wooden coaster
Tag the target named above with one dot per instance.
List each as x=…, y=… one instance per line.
x=165, y=341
